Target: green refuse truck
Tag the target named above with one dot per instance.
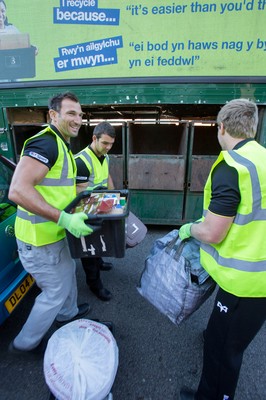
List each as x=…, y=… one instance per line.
x=158, y=71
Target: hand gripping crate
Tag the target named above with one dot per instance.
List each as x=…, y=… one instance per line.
x=109, y=236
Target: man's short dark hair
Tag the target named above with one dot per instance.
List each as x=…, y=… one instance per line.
x=104, y=128
x=55, y=102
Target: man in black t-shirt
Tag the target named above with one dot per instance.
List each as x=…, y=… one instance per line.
x=43, y=184
x=232, y=236
x=93, y=170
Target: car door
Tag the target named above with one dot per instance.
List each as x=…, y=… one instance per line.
x=14, y=280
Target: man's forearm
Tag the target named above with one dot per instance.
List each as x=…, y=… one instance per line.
x=30, y=199
x=110, y=184
x=213, y=229
x=198, y=232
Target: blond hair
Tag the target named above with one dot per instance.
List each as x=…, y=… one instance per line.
x=240, y=118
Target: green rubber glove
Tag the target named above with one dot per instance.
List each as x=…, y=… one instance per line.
x=184, y=231
x=96, y=187
x=74, y=223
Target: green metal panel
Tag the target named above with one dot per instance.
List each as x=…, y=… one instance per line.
x=157, y=207
x=138, y=93
x=6, y=142
x=194, y=206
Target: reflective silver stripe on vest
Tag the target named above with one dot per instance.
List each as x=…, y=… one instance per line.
x=34, y=219
x=257, y=213
x=240, y=265
x=64, y=180
x=92, y=173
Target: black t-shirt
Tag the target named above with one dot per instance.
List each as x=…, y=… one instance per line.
x=225, y=188
x=83, y=173
x=44, y=148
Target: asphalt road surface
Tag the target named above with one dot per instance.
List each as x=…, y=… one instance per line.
x=156, y=357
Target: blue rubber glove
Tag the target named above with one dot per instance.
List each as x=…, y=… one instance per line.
x=184, y=231
x=75, y=224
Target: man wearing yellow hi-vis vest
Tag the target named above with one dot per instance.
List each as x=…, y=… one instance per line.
x=93, y=170
x=233, y=251
x=44, y=183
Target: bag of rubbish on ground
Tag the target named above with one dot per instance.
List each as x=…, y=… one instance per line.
x=81, y=361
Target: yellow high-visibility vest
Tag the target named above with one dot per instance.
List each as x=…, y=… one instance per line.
x=58, y=188
x=238, y=263
x=98, y=172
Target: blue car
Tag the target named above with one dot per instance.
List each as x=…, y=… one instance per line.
x=15, y=282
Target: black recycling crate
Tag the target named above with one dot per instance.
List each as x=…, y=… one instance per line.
x=109, y=238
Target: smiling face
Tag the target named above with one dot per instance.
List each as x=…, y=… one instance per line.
x=68, y=120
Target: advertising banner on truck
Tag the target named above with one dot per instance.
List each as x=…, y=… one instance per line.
x=70, y=40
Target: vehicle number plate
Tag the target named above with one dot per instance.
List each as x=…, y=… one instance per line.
x=19, y=293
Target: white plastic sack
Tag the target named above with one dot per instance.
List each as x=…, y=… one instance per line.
x=81, y=361
x=173, y=279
